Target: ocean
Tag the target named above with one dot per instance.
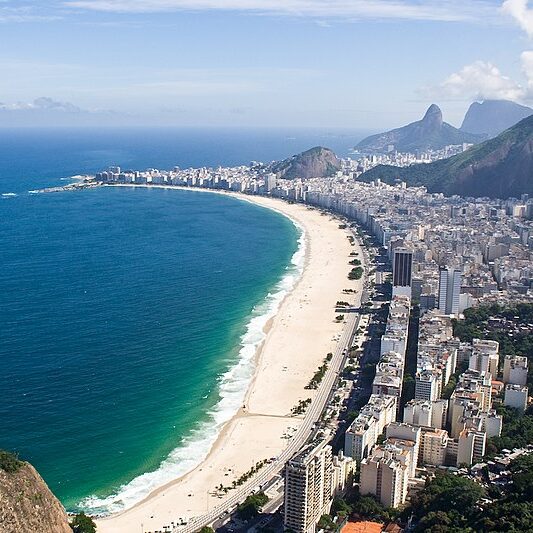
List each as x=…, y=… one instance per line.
x=130, y=317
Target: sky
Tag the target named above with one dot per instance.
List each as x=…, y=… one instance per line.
x=365, y=64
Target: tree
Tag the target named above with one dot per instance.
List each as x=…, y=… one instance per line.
x=341, y=507
x=9, y=462
x=446, y=504
x=83, y=524
x=251, y=506
x=326, y=523
x=207, y=529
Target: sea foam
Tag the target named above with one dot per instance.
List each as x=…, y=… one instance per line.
x=232, y=388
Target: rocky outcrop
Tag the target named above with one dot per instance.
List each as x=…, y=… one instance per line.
x=317, y=162
x=491, y=117
x=430, y=133
x=27, y=505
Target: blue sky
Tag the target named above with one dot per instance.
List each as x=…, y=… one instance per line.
x=335, y=63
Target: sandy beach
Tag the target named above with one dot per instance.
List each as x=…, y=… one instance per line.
x=298, y=339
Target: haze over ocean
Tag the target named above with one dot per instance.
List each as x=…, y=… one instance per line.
x=111, y=354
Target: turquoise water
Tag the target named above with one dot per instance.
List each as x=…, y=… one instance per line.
x=123, y=316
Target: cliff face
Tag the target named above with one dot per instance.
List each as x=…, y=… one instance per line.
x=317, y=162
x=429, y=133
x=494, y=116
x=27, y=505
x=500, y=167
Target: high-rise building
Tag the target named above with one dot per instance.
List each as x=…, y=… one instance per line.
x=433, y=446
x=385, y=474
x=471, y=446
x=362, y=434
x=270, y=182
x=308, y=487
x=449, y=291
x=516, y=396
x=402, y=272
x=515, y=369
x=428, y=385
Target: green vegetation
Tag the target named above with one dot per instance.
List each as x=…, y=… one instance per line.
x=244, y=478
x=447, y=503
x=348, y=370
x=82, y=523
x=453, y=504
x=9, y=462
x=355, y=262
x=342, y=303
x=517, y=431
x=252, y=505
x=515, y=341
x=326, y=523
x=301, y=407
x=366, y=507
x=356, y=273
x=342, y=226
x=503, y=156
x=452, y=383
x=317, y=377
x=206, y=529
x=339, y=318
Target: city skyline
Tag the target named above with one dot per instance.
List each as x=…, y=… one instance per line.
x=360, y=64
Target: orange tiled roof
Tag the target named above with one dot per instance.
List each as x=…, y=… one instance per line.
x=362, y=527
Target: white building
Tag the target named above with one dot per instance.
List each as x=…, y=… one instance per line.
x=433, y=445
x=470, y=447
x=407, y=437
x=308, y=487
x=418, y=413
x=449, y=291
x=485, y=357
x=385, y=474
x=515, y=369
x=516, y=396
x=428, y=385
x=362, y=435
x=492, y=423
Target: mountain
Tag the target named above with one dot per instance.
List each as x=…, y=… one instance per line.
x=429, y=133
x=491, y=117
x=500, y=167
x=317, y=162
x=26, y=503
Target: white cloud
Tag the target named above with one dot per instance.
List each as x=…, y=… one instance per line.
x=452, y=10
x=42, y=104
x=23, y=13
x=521, y=12
x=480, y=81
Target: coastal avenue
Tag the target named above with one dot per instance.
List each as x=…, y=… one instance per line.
x=300, y=437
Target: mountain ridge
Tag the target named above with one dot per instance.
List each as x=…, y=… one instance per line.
x=492, y=117
x=431, y=132
x=317, y=162
x=500, y=167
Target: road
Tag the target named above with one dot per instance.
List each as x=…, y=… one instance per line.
x=312, y=415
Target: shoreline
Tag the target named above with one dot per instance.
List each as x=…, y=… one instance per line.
x=261, y=428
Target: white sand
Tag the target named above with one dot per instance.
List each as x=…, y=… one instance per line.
x=299, y=337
